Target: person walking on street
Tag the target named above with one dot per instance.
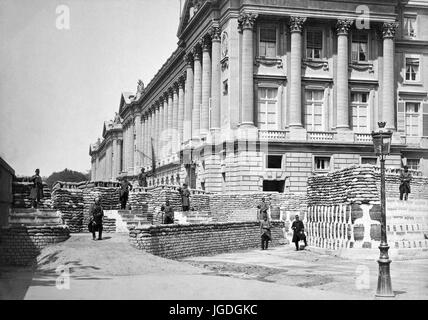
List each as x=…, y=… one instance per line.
x=185, y=197
x=265, y=230
x=125, y=187
x=168, y=213
x=36, y=192
x=96, y=219
x=405, y=178
x=298, y=232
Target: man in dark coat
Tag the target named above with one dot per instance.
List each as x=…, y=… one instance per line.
x=298, y=232
x=263, y=209
x=168, y=213
x=265, y=227
x=96, y=214
x=125, y=187
x=405, y=178
x=185, y=197
x=142, y=178
x=36, y=190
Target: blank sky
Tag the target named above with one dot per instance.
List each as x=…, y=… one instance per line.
x=57, y=87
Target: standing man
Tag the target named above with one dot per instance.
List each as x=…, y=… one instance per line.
x=125, y=187
x=298, y=232
x=266, y=234
x=142, y=178
x=36, y=190
x=185, y=197
x=263, y=209
x=168, y=213
x=96, y=221
x=405, y=178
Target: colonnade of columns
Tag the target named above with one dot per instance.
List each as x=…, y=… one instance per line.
x=190, y=108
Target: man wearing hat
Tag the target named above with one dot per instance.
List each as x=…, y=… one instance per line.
x=298, y=232
x=36, y=192
x=405, y=178
x=185, y=197
x=96, y=214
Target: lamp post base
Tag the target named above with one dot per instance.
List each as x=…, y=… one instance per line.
x=384, y=287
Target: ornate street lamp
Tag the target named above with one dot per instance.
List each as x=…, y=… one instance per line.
x=382, y=147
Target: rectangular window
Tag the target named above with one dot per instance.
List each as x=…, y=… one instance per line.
x=314, y=110
x=267, y=111
x=412, y=119
x=409, y=27
x=274, y=162
x=360, y=45
x=322, y=163
x=412, y=69
x=267, y=42
x=360, y=112
x=369, y=160
x=413, y=164
x=314, y=44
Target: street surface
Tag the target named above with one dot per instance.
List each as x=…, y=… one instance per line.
x=112, y=269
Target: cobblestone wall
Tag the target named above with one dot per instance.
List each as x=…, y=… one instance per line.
x=178, y=241
x=19, y=246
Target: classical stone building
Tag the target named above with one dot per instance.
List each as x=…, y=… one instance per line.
x=259, y=95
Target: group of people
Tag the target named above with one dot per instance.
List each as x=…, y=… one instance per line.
x=266, y=226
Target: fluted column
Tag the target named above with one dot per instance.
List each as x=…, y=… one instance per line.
x=342, y=86
x=114, y=159
x=206, y=85
x=197, y=93
x=143, y=139
x=189, y=87
x=246, y=23
x=117, y=158
x=175, y=135
x=181, y=102
x=170, y=119
x=388, y=107
x=158, y=128
x=296, y=28
x=137, y=154
x=132, y=147
x=152, y=134
x=216, y=78
x=147, y=146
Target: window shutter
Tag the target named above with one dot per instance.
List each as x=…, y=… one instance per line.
x=425, y=119
x=401, y=117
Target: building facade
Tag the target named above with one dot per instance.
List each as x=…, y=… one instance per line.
x=259, y=95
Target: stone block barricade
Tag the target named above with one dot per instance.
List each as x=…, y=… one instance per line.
x=21, y=189
x=344, y=211
x=179, y=241
x=20, y=245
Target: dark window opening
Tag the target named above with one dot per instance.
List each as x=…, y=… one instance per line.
x=273, y=186
x=274, y=162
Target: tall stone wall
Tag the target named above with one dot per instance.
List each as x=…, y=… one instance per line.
x=19, y=246
x=179, y=241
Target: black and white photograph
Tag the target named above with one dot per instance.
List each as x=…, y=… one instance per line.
x=214, y=151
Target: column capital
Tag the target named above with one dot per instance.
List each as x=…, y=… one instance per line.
x=343, y=26
x=156, y=106
x=389, y=29
x=296, y=23
x=246, y=20
x=215, y=33
x=206, y=42
x=182, y=81
x=166, y=95
x=171, y=91
x=175, y=86
x=197, y=51
x=188, y=59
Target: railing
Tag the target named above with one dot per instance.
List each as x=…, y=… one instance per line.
x=272, y=135
x=320, y=136
x=363, y=138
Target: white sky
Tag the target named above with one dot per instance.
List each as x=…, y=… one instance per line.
x=57, y=87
